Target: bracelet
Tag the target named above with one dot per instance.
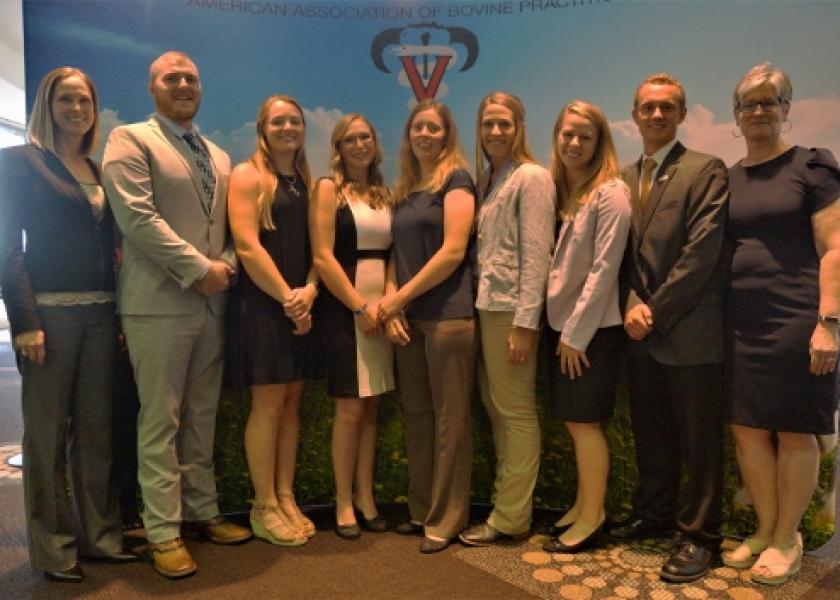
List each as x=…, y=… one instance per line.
x=361, y=310
x=828, y=319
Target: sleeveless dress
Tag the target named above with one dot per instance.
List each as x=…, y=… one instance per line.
x=262, y=349
x=773, y=294
x=358, y=366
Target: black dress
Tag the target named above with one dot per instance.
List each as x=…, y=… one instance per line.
x=773, y=294
x=262, y=349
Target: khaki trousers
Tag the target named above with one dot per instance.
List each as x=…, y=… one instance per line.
x=436, y=383
x=508, y=394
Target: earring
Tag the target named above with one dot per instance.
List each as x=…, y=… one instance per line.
x=736, y=133
x=789, y=124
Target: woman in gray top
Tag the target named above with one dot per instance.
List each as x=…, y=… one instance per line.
x=515, y=228
x=582, y=306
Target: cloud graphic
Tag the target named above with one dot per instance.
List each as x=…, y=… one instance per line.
x=320, y=121
x=816, y=123
x=108, y=120
x=84, y=34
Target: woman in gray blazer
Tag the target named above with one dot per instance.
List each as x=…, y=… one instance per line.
x=515, y=231
x=582, y=307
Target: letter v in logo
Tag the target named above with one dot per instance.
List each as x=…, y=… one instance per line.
x=422, y=92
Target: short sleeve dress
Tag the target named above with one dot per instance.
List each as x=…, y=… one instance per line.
x=773, y=294
x=358, y=366
x=262, y=349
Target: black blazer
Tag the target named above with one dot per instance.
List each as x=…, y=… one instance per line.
x=675, y=261
x=66, y=249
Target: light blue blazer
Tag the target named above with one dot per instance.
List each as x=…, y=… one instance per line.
x=582, y=293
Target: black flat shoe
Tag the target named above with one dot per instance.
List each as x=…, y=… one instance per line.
x=348, y=532
x=431, y=545
x=552, y=530
x=596, y=539
x=409, y=528
x=72, y=575
x=377, y=524
x=115, y=559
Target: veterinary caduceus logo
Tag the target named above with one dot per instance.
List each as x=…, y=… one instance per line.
x=422, y=54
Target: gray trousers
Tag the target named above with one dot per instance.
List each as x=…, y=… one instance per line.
x=436, y=382
x=67, y=413
x=177, y=363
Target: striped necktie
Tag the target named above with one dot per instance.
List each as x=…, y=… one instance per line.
x=205, y=168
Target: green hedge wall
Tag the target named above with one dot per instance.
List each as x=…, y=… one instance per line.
x=556, y=484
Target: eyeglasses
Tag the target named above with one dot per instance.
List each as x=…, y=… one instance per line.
x=766, y=104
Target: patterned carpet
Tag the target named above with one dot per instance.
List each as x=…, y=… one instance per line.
x=631, y=571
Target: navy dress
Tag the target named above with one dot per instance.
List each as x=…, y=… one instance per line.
x=773, y=294
x=262, y=349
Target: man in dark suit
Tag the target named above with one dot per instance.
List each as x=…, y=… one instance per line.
x=676, y=275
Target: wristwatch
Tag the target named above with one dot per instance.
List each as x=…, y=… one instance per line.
x=828, y=319
x=361, y=310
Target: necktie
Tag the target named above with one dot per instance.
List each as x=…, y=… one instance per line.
x=205, y=168
x=647, y=180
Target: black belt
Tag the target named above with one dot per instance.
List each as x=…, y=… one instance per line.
x=366, y=254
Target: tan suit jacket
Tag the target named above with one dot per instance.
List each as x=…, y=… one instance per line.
x=154, y=188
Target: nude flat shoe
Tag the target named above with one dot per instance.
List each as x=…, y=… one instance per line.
x=746, y=553
x=775, y=565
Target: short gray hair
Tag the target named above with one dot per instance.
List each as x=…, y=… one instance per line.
x=758, y=76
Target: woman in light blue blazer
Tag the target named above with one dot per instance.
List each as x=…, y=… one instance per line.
x=515, y=231
x=582, y=307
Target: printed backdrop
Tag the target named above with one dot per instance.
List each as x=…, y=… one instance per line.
x=377, y=57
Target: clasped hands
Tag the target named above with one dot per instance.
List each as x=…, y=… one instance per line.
x=390, y=314
x=298, y=307
x=216, y=280
x=638, y=321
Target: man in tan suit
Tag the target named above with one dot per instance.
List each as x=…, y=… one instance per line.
x=167, y=186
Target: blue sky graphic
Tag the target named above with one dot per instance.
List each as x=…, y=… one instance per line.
x=576, y=49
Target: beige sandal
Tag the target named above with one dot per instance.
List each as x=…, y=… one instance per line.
x=775, y=565
x=746, y=553
x=269, y=524
x=298, y=519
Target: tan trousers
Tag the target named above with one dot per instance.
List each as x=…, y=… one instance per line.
x=508, y=394
x=436, y=383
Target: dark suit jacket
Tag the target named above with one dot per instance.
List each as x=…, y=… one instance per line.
x=674, y=260
x=66, y=249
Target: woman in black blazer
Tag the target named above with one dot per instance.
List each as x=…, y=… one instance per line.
x=58, y=287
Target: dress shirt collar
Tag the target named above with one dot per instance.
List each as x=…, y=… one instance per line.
x=659, y=156
x=178, y=130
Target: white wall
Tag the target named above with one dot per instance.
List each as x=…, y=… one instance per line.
x=12, y=97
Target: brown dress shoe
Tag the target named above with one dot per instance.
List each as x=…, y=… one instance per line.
x=218, y=530
x=171, y=559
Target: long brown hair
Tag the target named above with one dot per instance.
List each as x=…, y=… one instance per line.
x=41, y=129
x=519, y=151
x=602, y=167
x=451, y=156
x=261, y=159
x=378, y=195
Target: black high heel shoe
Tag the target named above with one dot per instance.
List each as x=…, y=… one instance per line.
x=376, y=524
x=553, y=530
x=596, y=539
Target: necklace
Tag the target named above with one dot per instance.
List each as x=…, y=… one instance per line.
x=291, y=180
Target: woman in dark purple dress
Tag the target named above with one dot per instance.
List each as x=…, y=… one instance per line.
x=782, y=313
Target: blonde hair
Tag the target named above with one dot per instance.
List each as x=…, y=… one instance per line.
x=451, y=156
x=41, y=129
x=602, y=167
x=261, y=159
x=661, y=79
x=378, y=195
x=520, y=151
